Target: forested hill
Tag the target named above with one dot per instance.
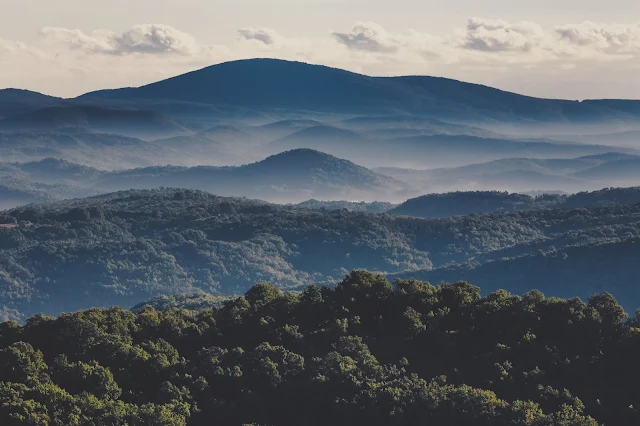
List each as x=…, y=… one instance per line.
x=364, y=353
x=476, y=202
x=123, y=248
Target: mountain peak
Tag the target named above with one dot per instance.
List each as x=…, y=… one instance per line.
x=306, y=155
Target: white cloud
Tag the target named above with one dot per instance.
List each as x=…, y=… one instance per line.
x=8, y=46
x=76, y=39
x=607, y=38
x=500, y=36
x=265, y=36
x=368, y=36
x=155, y=39
x=142, y=39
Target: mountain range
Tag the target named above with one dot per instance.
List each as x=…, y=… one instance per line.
x=267, y=85
x=243, y=111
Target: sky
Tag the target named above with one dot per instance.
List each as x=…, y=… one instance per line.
x=573, y=49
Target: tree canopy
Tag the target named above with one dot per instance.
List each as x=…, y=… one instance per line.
x=364, y=352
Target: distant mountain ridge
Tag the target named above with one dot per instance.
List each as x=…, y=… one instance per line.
x=271, y=84
x=132, y=122
x=290, y=176
x=18, y=101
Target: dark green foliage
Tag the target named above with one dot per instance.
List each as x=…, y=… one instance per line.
x=581, y=269
x=373, y=207
x=465, y=203
x=462, y=203
x=365, y=352
x=125, y=248
x=194, y=302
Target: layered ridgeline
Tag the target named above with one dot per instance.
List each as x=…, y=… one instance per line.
x=255, y=87
x=528, y=174
x=294, y=175
x=364, y=353
x=235, y=143
x=123, y=248
x=91, y=118
x=382, y=149
x=243, y=111
x=478, y=202
x=297, y=175
x=291, y=176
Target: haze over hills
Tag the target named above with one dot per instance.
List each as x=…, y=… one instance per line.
x=83, y=118
x=100, y=150
x=526, y=174
x=297, y=133
x=242, y=111
x=619, y=171
x=291, y=176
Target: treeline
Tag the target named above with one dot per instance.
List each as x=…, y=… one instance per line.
x=365, y=352
x=353, y=206
x=125, y=248
x=482, y=202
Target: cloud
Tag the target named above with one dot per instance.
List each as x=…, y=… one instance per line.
x=155, y=39
x=369, y=37
x=76, y=39
x=151, y=39
x=266, y=36
x=501, y=36
x=512, y=54
x=8, y=46
x=608, y=38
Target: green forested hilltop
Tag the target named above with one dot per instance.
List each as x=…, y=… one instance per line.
x=478, y=202
x=364, y=353
x=579, y=269
x=123, y=248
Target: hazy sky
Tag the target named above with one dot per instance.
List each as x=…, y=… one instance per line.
x=573, y=49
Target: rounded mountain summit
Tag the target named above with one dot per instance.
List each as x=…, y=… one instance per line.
x=277, y=84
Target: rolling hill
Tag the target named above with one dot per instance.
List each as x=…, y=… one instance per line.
x=623, y=170
x=126, y=247
x=290, y=176
x=525, y=174
x=83, y=118
x=583, y=268
x=18, y=101
x=282, y=128
x=100, y=150
x=431, y=151
x=482, y=202
x=275, y=84
x=407, y=125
